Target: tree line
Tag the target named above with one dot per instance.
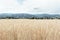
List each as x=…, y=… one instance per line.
x=30, y=18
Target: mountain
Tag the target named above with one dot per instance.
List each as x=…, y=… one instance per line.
x=16, y=16
x=22, y=15
x=48, y=16
x=29, y=16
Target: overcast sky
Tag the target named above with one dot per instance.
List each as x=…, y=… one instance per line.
x=27, y=6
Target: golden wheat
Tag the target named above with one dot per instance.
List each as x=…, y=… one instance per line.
x=25, y=29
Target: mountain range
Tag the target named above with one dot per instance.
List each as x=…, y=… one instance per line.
x=29, y=16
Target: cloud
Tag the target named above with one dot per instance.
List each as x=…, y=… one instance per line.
x=21, y=1
x=18, y=6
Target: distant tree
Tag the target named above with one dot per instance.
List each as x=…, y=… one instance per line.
x=32, y=18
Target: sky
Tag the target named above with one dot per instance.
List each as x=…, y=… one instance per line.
x=30, y=6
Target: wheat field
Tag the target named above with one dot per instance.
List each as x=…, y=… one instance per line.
x=29, y=29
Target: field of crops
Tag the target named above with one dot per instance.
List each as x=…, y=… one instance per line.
x=29, y=29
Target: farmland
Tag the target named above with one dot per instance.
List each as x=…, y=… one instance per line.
x=29, y=29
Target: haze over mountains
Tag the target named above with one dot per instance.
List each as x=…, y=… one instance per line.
x=29, y=16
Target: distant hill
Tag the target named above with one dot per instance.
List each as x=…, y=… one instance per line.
x=15, y=16
x=29, y=16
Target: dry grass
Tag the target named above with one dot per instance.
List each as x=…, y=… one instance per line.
x=24, y=29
